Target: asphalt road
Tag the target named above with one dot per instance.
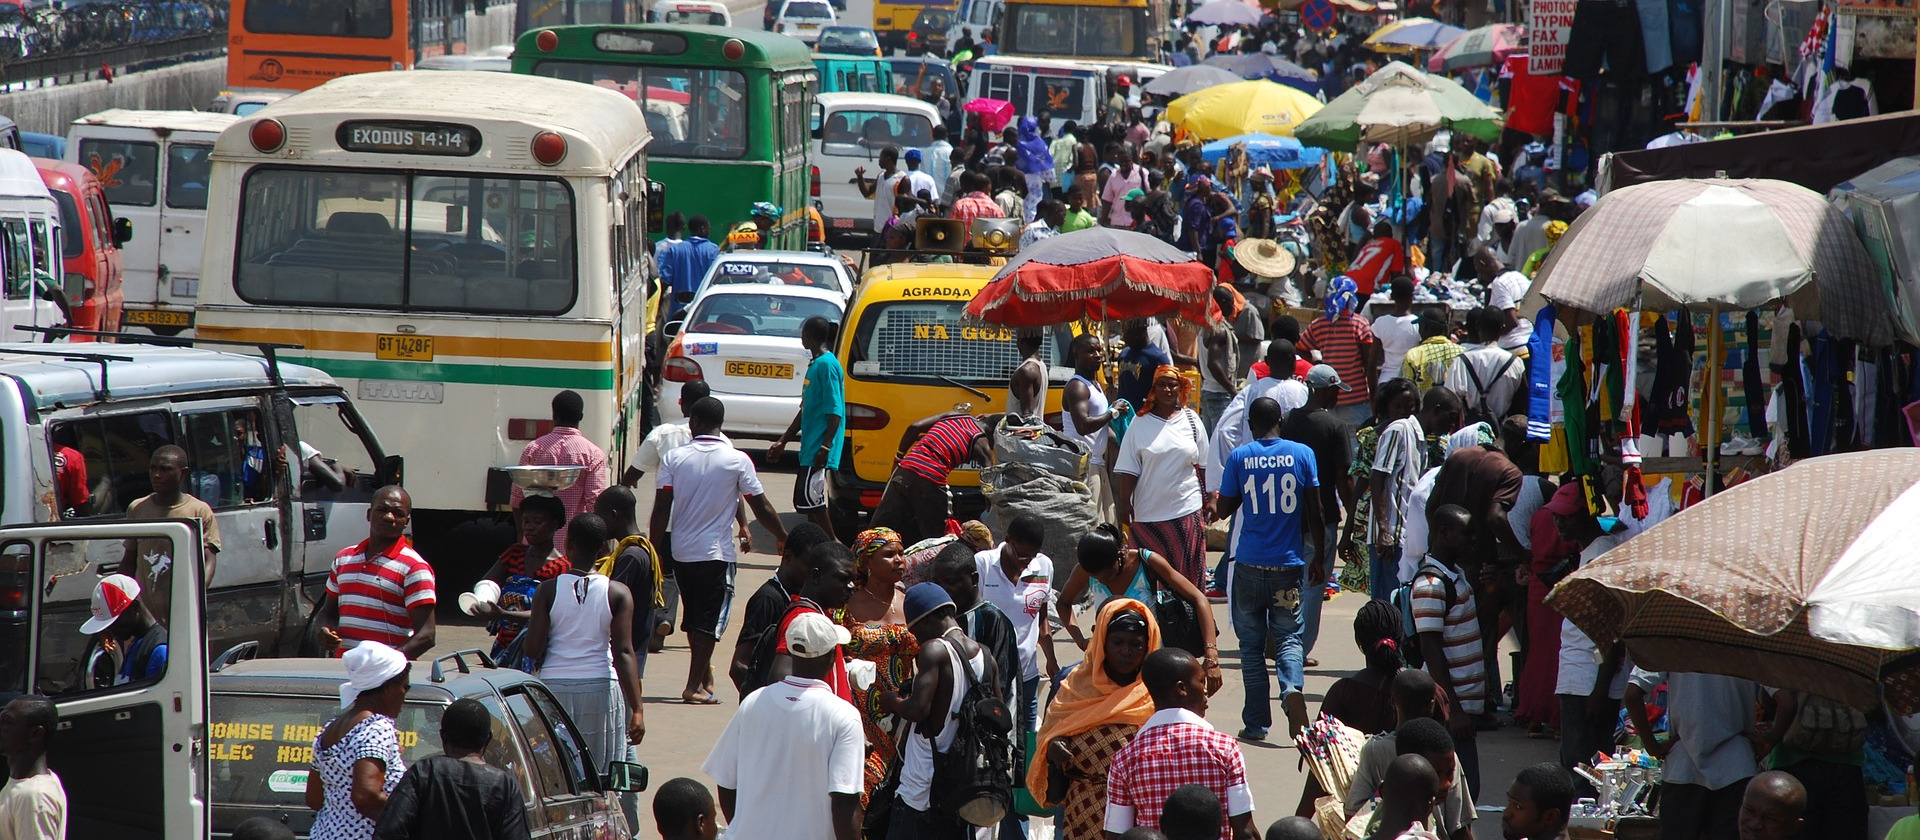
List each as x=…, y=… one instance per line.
x=679, y=735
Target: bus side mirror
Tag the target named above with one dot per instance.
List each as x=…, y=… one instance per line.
x=122, y=232
x=656, y=207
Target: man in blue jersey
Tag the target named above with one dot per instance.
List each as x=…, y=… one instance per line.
x=1272, y=484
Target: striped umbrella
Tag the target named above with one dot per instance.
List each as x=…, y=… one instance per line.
x=1410, y=34
x=1804, y=579
x=1483, y=47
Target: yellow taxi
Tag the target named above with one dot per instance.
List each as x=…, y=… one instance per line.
x=908, y=354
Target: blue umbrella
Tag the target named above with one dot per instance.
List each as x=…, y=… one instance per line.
x=1269, y=150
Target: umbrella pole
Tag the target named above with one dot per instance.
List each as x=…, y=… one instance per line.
x=1710, y=399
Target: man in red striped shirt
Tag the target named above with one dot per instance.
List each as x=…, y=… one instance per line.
x=1345, y=341
x=916, y=499
x=380, y=590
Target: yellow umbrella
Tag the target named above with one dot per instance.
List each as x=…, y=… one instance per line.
x=1255, y=107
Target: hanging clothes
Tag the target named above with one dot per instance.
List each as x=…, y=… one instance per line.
x=1659, y=506
x=1750, y=380
x=1823, y=393
x=1539, y=386
x=1794, y=375
x=1573, y=393
x=1672, y=377
x=1635, y=496
x=1607, y=376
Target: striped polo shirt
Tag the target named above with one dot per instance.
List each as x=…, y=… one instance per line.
x=375, y=593
x=942, y=448
x=1342, y=344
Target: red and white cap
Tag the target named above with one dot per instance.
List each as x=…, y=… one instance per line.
x=111, y=597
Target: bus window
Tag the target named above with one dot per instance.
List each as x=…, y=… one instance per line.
x=128, y=170
x=691, y=112
x=413, y=242
x=1010, y=87
x=347, y=18
x=187, y=170
x=1063, y=97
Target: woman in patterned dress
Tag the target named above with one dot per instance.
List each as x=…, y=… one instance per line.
x=876, y=617
x=1101, y=704
x=356, y=757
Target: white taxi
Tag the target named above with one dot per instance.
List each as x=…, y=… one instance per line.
x=743, y=339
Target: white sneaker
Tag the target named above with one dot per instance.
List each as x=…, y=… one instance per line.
x=1742, y=445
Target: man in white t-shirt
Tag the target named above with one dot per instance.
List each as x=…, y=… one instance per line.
x=1505, y=290
x=1398, y=330
x=1018, y=580
x=699, y=487
x=791, y=763
x=1232, y=430
x=880, y=187
x=1487, y=376
x=33, y=805
x=665, y=438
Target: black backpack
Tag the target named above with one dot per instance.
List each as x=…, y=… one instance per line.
x=973, y=779
x=1477, y=409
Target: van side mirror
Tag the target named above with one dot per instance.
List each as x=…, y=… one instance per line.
x=656, y=207
x=625, y=777
x=392, y=471
x=122, y=232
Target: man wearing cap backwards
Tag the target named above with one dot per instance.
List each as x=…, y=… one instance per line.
x=1315, y=426
x=790, y=740
x=939, y=684
x=1270, y=481
x=120, y=618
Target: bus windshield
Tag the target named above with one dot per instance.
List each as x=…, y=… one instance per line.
x=345, y=18
x=691, y=112
x=396, y=240
x=1088, y=31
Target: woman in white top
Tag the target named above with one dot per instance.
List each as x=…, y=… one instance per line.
x=1158, y=477
x=581, y=636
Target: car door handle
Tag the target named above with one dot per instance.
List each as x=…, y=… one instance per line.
x=272, y=534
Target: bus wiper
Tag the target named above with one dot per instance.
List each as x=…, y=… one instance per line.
x=958, y=384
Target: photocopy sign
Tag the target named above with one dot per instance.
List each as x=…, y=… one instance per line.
x=1548, y=22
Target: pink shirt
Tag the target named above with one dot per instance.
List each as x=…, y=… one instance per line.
x=566, y=447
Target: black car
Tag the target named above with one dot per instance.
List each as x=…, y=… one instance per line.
x=928, y=36
x=264, y=715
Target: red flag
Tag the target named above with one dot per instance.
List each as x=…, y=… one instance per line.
x=106, y=72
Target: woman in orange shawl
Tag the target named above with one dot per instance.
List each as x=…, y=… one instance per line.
x=1099, y=708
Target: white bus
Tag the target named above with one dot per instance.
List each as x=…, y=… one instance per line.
x=455, y=248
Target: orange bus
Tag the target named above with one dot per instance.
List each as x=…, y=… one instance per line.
x=287, y=45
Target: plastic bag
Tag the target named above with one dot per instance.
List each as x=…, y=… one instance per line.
x=1015, y=487
x=1041, y=446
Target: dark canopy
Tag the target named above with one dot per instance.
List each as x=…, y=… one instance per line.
x=1816, y=157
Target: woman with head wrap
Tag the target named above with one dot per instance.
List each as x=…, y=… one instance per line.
x=356, y=757
x=1344, y=340
x=1101, y=704
x=1159, y=475
x=1036, y=162
x=877, y=619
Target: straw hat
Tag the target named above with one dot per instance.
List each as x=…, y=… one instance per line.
x=1263, y=257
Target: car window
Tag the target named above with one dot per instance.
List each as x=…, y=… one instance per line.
x=790, y=274
x=188, y=165
x=329, y=426
x=128, y=170
x=808, y=10
x=69, y=661
x=550, y=777
x=583, y=766
x=73, y=235
x=877, y=129
x=227, y=457
x=114, y=452
x=102, y=224
x=767, y=316
x=261, y=745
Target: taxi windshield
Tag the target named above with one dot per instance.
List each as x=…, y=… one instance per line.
x=732, y=273
x=927, y=340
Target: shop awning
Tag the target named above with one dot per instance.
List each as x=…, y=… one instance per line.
x=1817, y=157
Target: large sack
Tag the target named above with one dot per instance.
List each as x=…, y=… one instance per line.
x=1040, y=445
x=1016, y=487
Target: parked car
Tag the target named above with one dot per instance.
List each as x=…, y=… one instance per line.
x=264, y=714
x=743, y=339
x=929, y=32
x=803, y=19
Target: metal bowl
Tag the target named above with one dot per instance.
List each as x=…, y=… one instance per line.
x=544, y=480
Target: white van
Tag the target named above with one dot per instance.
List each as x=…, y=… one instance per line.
x=803, y=19
x=1066, y=90
x=693, y=12
x=78, y=428
x=973, y=17
x=849, y=130
x=154, y=166
x=30, y=255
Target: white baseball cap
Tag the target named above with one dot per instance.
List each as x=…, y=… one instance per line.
x=812, y=635
x=111, y=598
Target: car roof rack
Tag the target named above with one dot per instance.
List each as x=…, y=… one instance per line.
x=102, y=393
x=267, y=349
x=459, y=661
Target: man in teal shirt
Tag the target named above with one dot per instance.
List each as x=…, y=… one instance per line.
x=823, y=413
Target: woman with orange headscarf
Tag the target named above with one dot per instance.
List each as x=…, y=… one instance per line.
x=1157, y=478
x=1100, y=706
x=876, y=619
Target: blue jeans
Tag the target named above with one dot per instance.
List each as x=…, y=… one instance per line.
x=1212, y=403
x=1030, y=704
x=1311, y=596
x=1383, y=571
x=1265, y=602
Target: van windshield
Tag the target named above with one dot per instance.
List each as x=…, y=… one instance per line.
x=877, y=129
x=695, y=18
x=926, y=340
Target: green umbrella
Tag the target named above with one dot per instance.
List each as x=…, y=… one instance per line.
x=1398, y=105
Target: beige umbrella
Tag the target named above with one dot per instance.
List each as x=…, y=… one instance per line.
x=1801, y=579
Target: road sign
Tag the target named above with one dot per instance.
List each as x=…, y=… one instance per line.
x=1318, y=15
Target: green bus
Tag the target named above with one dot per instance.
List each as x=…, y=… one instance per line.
x=728, y=110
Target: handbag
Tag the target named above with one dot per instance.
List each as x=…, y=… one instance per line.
x=1179, y=624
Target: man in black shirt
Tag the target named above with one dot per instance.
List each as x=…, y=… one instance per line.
x=769, y=603
x=1315, y=426
x=456, y=794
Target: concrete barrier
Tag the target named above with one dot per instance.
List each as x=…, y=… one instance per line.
x=181, y=87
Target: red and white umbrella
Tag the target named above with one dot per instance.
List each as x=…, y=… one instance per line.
x=1483, y=47
x=1098, y=274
